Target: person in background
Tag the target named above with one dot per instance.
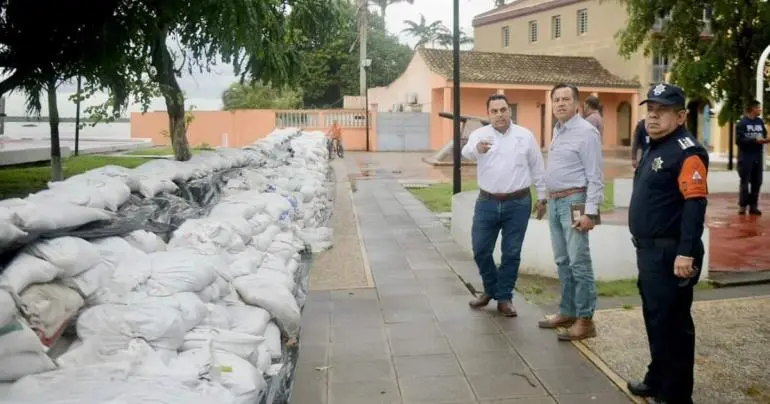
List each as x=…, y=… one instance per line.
x=333, y=135
x=592, y=112
x=573, y=176
x=509, y=163
x=666, y=218
x=639, y=141
x=751, y=136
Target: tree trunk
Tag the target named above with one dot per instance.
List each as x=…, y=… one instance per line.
x=53, y=122
x=169, y=87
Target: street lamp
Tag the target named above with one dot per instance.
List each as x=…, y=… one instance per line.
x=367, y=63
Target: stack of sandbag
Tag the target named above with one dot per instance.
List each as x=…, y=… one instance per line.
x=34, y=215
x=21, y=352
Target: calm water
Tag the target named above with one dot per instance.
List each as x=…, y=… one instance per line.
x=119, y=130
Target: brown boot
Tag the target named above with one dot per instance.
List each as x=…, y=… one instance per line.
x=582, y=329
x=505, y=308
x=556, y=321
x=480, y=302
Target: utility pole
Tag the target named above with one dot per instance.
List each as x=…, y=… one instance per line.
x=363, y=25
x=456, y=184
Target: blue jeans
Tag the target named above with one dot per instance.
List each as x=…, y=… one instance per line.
x=490, y=217
x=573, y=259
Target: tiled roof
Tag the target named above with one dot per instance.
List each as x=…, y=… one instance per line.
x=511, y=68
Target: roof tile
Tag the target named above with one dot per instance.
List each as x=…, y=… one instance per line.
x=511, y=68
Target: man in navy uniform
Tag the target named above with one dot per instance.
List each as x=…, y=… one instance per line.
x=751, y=136
x=666, y=218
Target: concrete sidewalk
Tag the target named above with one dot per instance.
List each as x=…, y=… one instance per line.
x=413, y=339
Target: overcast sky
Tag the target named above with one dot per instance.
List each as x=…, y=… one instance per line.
x=205, y=90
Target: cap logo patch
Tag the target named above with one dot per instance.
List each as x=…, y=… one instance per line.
x=659, y=89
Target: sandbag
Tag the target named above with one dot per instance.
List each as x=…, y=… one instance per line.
x=278, y=300
x=145, y=241
x=14, y=367
x=248, y=319
x=25, y=270
x=237, y=343
x=18, y=337
x=71, y=255
x=49, y=309
x=7, y=308
x=38, y=217
x=273, y=340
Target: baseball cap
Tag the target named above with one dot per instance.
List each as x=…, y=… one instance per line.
x=665, y=94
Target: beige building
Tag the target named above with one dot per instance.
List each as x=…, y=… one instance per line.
x=575, y=28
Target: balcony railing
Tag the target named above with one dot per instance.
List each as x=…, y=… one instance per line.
x=659, y=73
x=315, y=119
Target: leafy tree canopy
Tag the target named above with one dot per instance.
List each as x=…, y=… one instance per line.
x=331, y=68
x=713, y=57
x=260, y=96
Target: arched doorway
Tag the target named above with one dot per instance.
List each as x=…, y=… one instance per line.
x=624, y=124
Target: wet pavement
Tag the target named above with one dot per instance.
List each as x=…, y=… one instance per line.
x=738, y=243
x=413, y=339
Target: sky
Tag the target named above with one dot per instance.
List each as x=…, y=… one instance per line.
x=204, y=90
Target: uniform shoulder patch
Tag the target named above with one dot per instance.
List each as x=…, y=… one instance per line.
x=693, y=182
x=686, y=142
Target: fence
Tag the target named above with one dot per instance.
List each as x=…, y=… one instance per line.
x=242, y=127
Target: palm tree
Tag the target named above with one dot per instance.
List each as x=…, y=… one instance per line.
x=445, y=39
x=499, y=3
x=384, y=4
x=424, y=32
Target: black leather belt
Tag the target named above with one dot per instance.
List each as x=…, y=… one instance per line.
x=504, y=197
x=654, y=242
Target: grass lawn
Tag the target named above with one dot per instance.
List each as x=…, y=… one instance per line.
x=20, y=181
x=541, y=290
x=438, y=197
x=164, y=151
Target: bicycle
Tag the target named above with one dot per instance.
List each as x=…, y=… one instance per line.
x=334, y=146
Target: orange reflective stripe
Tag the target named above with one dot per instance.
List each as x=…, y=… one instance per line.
x=693, y=178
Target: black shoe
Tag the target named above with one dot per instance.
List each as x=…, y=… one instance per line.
x=653, y=400
x=742, y=211
x=755, y=212
x=640, y=389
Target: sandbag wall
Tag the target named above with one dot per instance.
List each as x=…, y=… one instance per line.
x=175, y=282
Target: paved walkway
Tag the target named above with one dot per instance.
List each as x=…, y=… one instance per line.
x=413, y=339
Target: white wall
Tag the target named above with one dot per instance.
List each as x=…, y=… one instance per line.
x=613, y=255
x=719, y=182
x=415, y=79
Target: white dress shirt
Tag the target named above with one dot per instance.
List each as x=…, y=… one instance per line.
x=512, y=163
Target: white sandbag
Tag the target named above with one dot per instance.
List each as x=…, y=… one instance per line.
x=237, y=343
x=217, y=317
x=284, y=245
x=16, y=366
x=101, y=351
x=18, y=337
x=127, y=277
x=7, y=308
x=72, y=255
x=207, y=236
x=244, y=263
x=145, y=241
x=264, y=359
x=320, y=239
x=263, y=241
x=247, y=319
x=35, y=217
x=116, y=382
x=226, y=208
x=88, y=282
x=260, y=222
x=9, y=232
x=25, y=270
x=189, y=305
x=277, y=300
x=210, y=293
x=124, y=174
x=154, y=184
x=49, y=308
x=276, y=278
x=115, y=250
x=163, y=168
x=273, y=340
x=156, y=321
x=239, y=376
x=177, y=271
x=101, y=191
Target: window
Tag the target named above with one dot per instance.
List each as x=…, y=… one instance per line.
x=660, y=66
x=582, y=21
x=514, y=112
x=556, y=27
x=533, y=31
x=506, y=36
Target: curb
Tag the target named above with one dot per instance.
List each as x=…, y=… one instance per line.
x=364, y=256
x=604, y=368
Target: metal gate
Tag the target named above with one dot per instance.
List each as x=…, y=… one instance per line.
x=403, y=131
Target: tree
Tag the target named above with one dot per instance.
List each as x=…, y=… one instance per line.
x=424, y=32
x=445, y=38
x=332, y=70
x=715, y=58
x=262, y=39
x=384, y=4
x=260, y=96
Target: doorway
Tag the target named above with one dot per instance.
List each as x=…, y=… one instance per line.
x=624, y=124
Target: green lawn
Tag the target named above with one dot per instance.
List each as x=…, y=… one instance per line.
x=438, y=197
x=164, y=151
x=20, y=181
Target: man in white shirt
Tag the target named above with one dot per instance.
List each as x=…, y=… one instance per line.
x=509, y=163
